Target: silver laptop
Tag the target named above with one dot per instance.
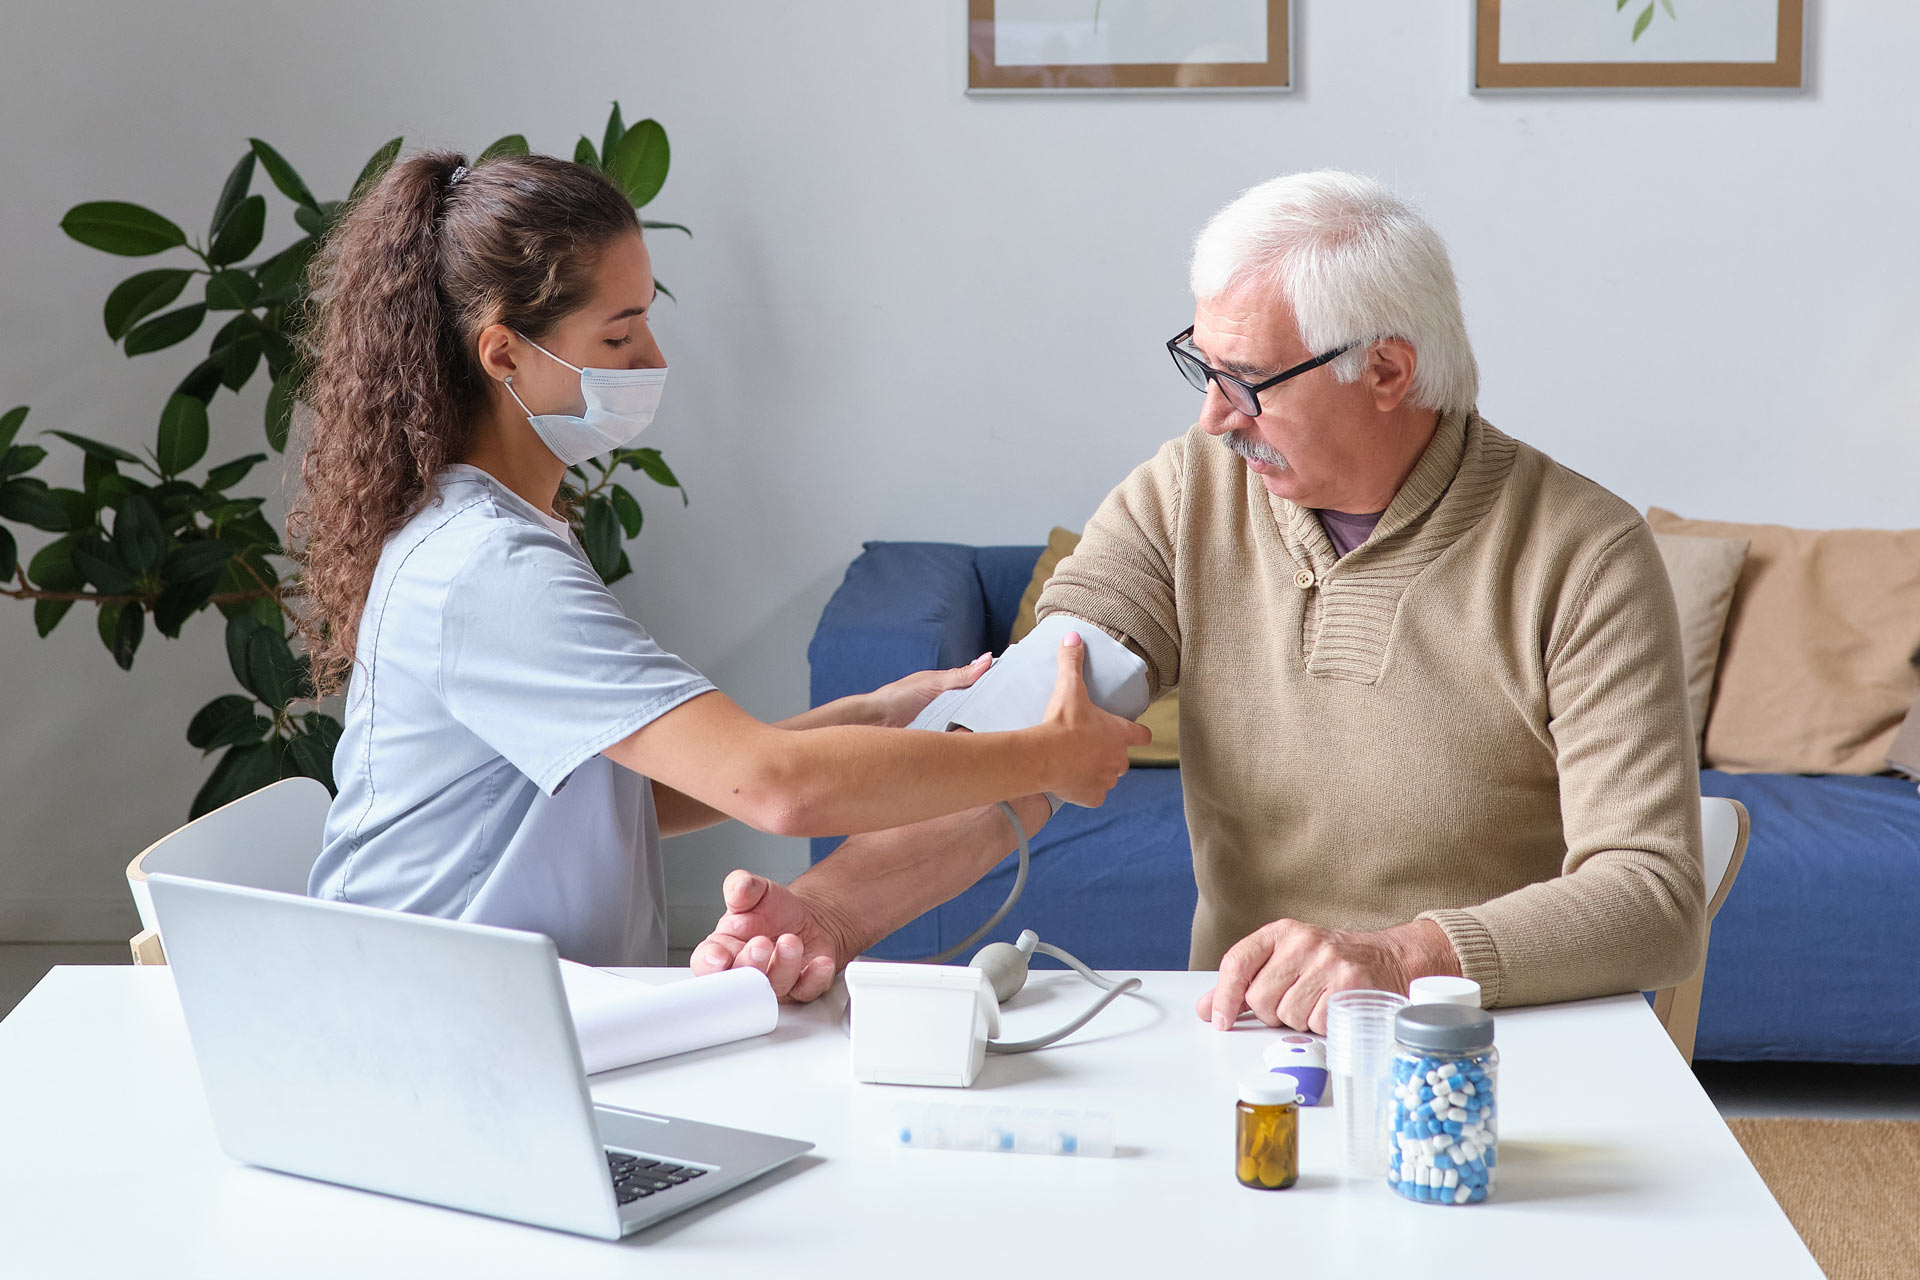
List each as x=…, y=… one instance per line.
x=421, y=1058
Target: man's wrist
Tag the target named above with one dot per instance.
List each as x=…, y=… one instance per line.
x=834, y=923
x=1421, y=950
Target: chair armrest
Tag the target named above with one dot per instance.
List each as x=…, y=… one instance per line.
x=903, y=607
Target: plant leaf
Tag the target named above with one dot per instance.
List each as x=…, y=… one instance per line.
x=228, y=474
x=311, y=758
x=1668, y=6
x=20, y=459
x=122, y=624
x=240, y=234
x=514, y=144
x=1619, y=5
x=79, y=508
x=99, y=448
x=9, y=555
x=10, y=424
x=280, y=275
x=199, y=559
x=261, y=659
x=139, y=296
x=639, y=164
x=628, y=509
x=51, y=568
x=137, y=535
x=616, y=130
x=183, y=435
x=164, y=330
x=180, y=601
x=375, y=169
x=242, y=771
x=97, y=562
x=214, y=724
x=601, y=536
x=280, y=412
x=31, y=502
x=583, y=153
x=283, y=175
x=237, y=361
x=665, y=226
x=115, y=226
x=47, y=615
x=655, y=468
x=316, y=221
x=239, y=180
x=1640, y=23
x=664, y=292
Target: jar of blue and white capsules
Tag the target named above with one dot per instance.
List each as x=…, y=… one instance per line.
x=1445, y=1118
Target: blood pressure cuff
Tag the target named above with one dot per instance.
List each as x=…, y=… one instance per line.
x=1015, y=691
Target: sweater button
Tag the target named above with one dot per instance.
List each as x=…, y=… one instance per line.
x=1303, y=579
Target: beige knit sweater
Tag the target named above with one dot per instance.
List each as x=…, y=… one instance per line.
x=1478, y=716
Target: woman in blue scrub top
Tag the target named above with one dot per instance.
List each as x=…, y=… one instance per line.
x=515, y=746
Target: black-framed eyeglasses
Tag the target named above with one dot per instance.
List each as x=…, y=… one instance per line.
x=1244, y=396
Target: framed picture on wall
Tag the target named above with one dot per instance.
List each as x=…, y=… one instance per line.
x=1638, y=44
x=1041, y=46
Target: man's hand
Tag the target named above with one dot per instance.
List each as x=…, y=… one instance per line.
x=893, y=706
x=1284, y=972
x=795, y=941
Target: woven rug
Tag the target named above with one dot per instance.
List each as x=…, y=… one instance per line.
x=1851, y=1188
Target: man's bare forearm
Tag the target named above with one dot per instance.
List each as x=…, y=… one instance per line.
x=876, y=882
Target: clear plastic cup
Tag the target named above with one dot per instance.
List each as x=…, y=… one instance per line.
x=1360, y=1049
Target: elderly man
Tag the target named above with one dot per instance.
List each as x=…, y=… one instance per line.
x=1432, y=709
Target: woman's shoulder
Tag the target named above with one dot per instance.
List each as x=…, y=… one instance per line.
x=464, y=531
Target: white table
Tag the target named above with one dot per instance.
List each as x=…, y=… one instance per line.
x=1613, y=1163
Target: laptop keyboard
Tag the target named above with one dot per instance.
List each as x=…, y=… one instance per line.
x=637, y=1176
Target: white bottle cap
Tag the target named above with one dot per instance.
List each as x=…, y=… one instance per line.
x=1270, y=1089
x=1438, y=989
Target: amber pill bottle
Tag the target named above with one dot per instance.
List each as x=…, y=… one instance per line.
x=1266, y=1132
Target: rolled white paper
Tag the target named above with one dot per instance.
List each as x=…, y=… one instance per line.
x=620, y=1021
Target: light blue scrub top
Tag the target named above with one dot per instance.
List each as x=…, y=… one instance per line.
x=491, y=669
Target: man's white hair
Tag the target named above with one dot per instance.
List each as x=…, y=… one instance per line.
x=1356, y=264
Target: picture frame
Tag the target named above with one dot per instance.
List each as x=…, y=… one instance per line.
x=1129, y=46
x=1638, y=44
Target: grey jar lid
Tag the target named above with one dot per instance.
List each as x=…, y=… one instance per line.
x=1443, y=1028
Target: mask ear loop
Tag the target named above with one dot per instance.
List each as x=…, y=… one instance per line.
x=516, y=398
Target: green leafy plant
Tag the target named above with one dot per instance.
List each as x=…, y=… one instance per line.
x=151, y=537
x=1641, y=23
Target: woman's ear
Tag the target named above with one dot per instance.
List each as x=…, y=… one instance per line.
x=495, y=348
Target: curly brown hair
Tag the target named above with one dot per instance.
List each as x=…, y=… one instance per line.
x=403, y=286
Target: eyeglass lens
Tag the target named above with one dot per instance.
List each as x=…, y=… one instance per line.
x=1196, y=373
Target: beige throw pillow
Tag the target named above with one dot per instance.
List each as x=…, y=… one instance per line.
x=1816, y=671
x=1703, y=571
x=1904, y=755
x=1162, y=716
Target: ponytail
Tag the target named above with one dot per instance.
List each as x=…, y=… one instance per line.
x=401, y=289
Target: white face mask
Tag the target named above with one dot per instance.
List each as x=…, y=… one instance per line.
x=620, y=405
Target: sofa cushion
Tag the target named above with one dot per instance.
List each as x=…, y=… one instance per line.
x=1113, y=886
x=1162, y=717
x=1813, y=955
x=1817, y=669
x=1703, y=572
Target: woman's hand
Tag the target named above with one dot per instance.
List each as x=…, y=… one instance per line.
x=1093, y=743
x=894, y=706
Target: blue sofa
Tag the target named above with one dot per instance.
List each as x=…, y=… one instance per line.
x=1814, y=957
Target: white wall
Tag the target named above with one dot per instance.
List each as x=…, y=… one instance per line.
x=908, y=314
